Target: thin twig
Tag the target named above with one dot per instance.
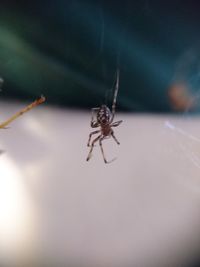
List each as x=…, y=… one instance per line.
x=22, y=111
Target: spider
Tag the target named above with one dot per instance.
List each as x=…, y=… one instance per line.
x=104, y=120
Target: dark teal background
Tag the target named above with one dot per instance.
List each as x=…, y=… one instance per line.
x=70, y=50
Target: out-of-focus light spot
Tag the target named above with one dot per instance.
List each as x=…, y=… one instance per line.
x=180, y=97
x=33, y=172
x=16, y=211
x=34, y=126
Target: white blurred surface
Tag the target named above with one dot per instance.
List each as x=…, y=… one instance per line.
x=142, y=209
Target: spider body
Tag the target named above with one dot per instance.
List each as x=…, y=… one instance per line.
x=103, y=115
x=104, y=120
x=106, y=130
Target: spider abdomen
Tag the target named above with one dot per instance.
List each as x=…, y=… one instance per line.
x=103, y=115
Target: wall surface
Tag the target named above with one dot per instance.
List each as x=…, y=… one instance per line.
x=142, y=209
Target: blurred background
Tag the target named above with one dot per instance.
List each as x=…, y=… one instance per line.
x=56, y=208
x=70, y=50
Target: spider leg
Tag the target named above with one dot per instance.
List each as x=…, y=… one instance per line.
x=94, y=123
x=92, y=146
x=115, y=124
x=90, y=136
x=115, y=96
x=102, y=151
x=113, y=136
x=101, y=146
